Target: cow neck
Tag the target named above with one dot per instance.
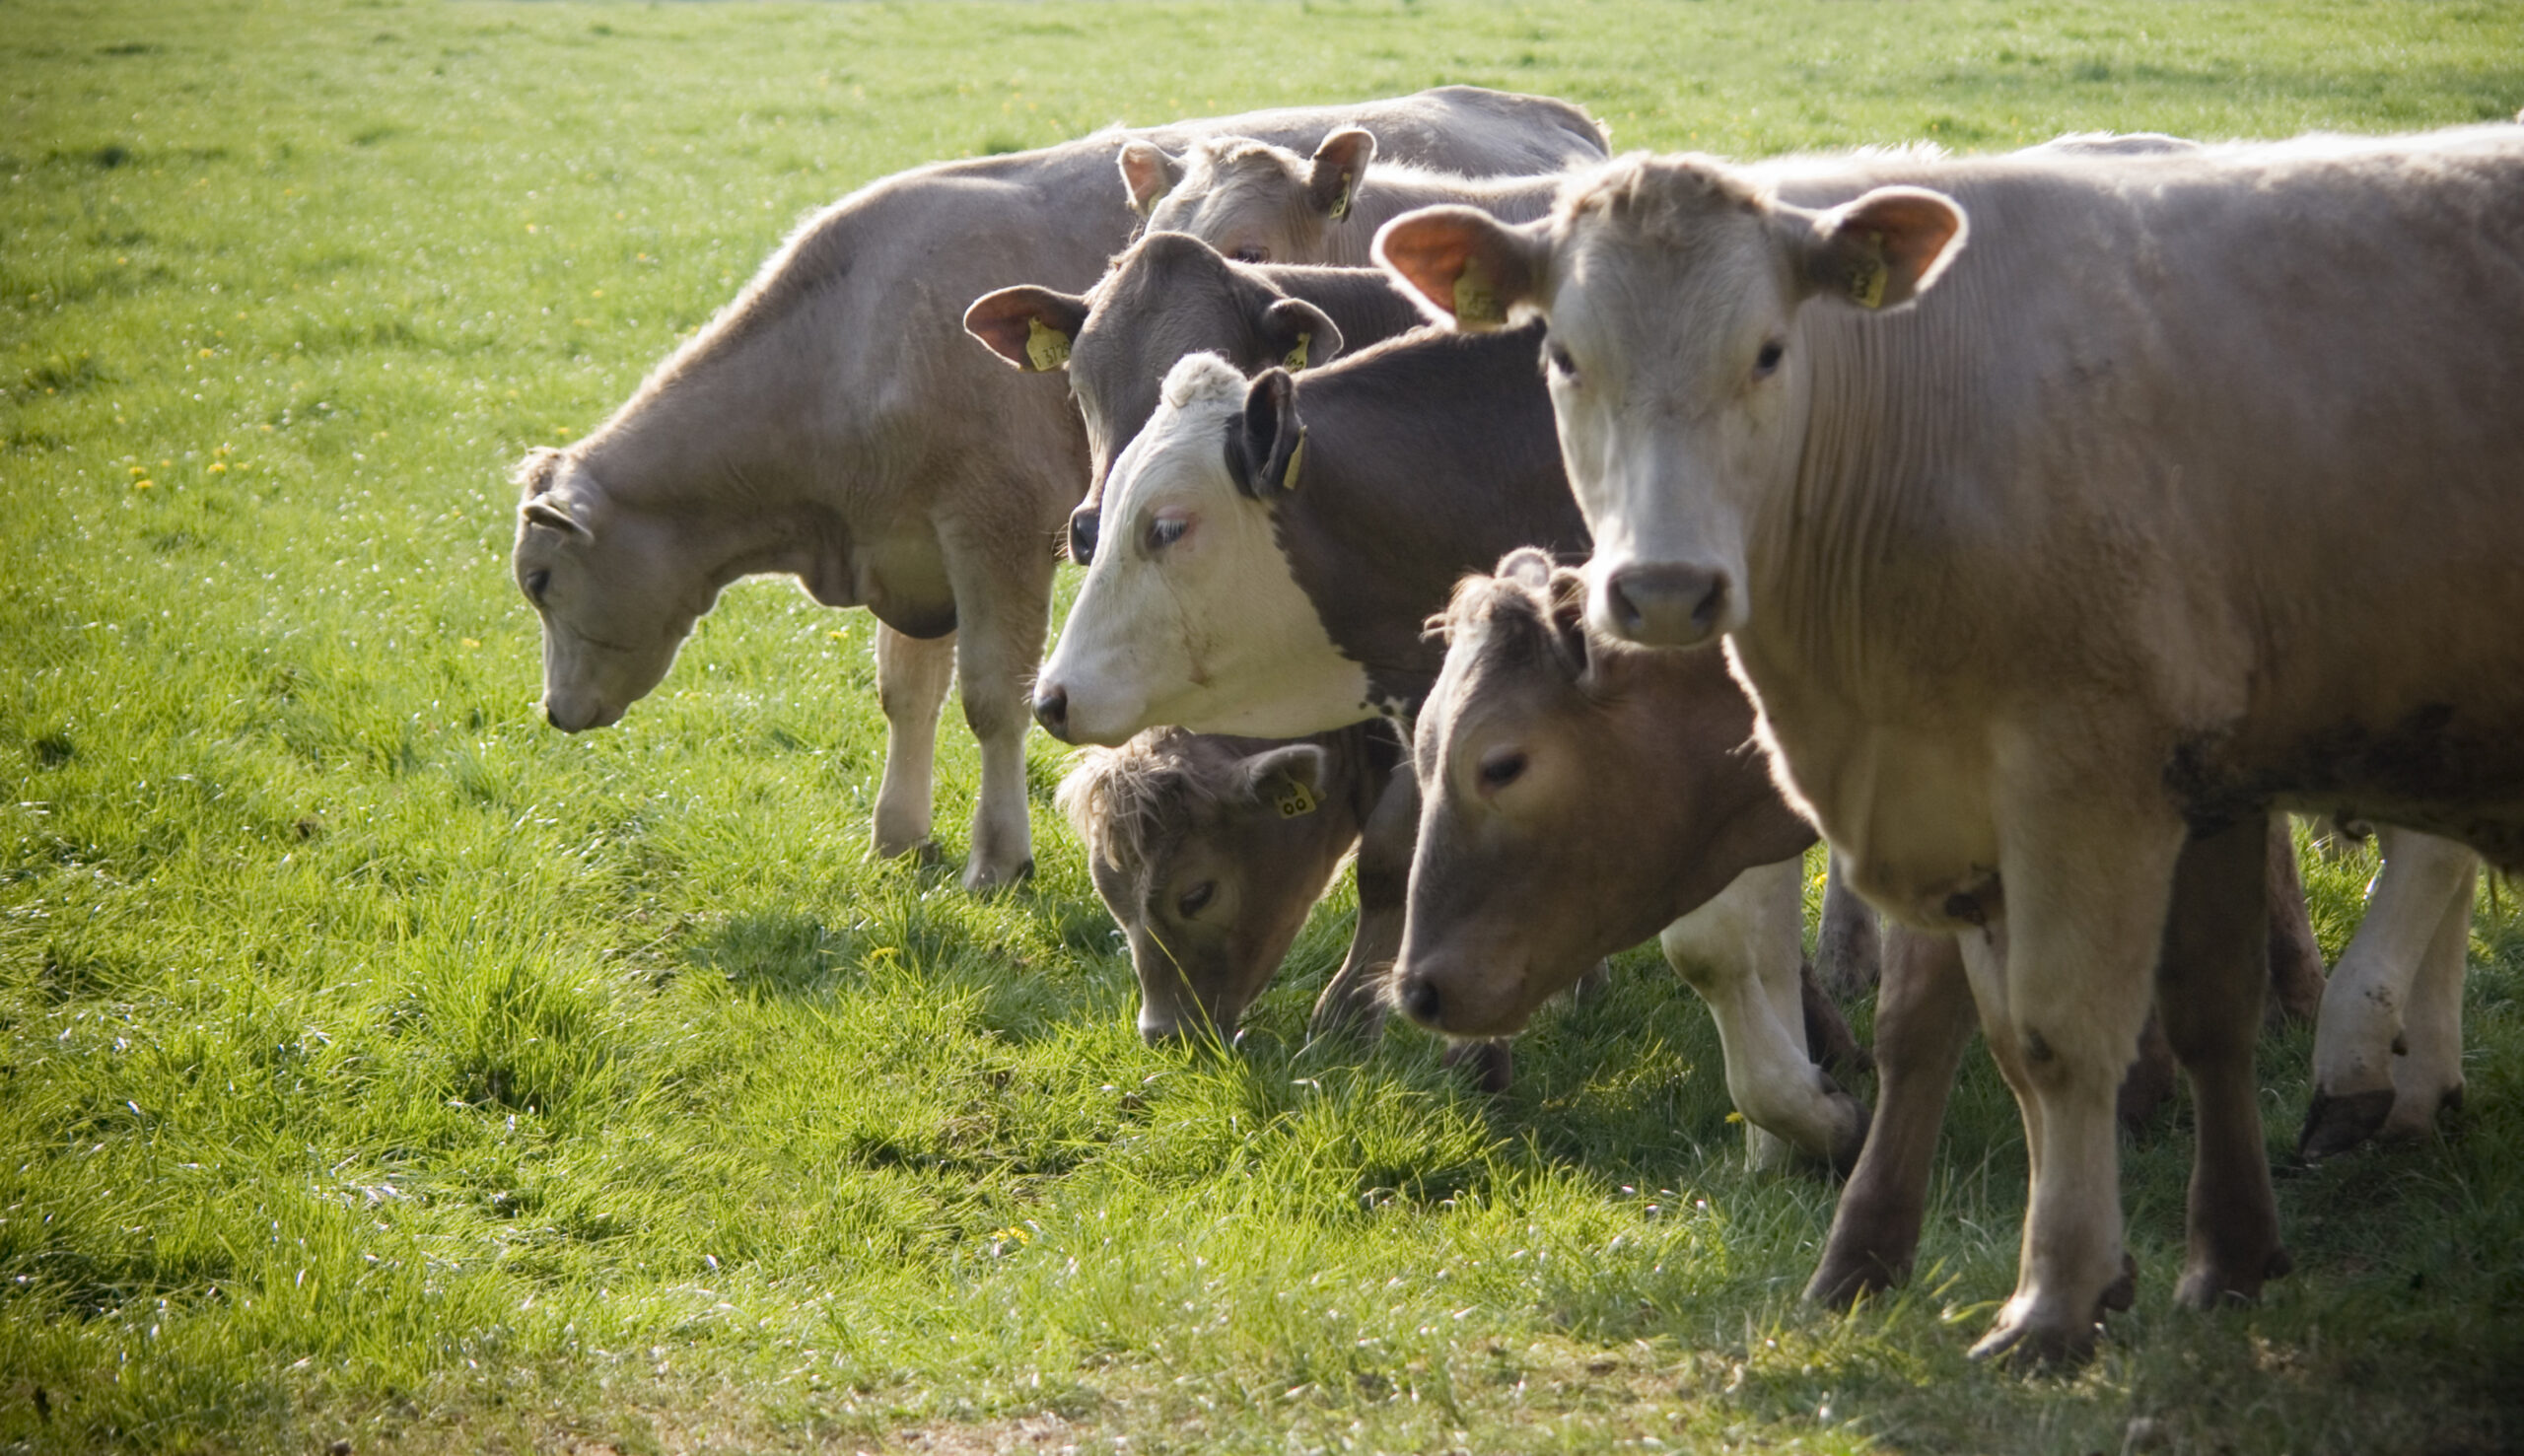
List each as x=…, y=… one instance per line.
x=1426, y=458
x=1361, y=303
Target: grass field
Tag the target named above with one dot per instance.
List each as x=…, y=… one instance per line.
x=380, y=1066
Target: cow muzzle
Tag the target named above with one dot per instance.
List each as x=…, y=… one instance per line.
x=1082, y=524
x=578, y=718
x=1662, y=603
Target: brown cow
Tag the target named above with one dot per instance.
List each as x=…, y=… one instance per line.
x=2036, y=583
x=827, y=425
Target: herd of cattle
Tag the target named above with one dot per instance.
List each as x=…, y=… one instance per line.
x=1571, y=539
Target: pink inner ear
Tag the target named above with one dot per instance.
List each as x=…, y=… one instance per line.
x=1916, y=228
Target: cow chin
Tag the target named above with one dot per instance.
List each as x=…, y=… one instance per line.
x=578, y=714
x=1462, y=996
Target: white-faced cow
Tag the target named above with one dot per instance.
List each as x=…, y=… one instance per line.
x=2038, y=584
x=828, y=425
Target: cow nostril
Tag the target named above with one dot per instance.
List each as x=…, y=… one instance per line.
x=551, y=716
x=1666, y=606
x=1420, y=999
x=1081, y=536
x=1051, y=710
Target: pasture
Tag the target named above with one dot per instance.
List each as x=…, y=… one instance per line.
x=382, y=1070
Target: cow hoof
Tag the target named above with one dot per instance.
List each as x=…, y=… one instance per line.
x=1849, y=1134
x=2213, y=1285
x=1845, y=1276
x=1592, y=985
x=924, y=850
x=1363, y=1019
x=2335, y=1125
x=2020, y=1342
x=984, y=879
x=2419, y=1125
x=1490, y=1064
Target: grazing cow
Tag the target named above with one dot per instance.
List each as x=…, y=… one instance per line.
x=1210, y=850
x=799, y=434
x=2037, y=584
x=2388, y=1051
x=1261, y=203
x=1167, y=296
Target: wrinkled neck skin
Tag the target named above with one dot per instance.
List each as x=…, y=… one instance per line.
x=1426, y=460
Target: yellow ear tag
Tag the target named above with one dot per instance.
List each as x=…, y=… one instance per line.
x=1297, y=457
x=1866, y=283
x=1296, y=359
x=1047, y=347
x=1475, y=303
x=1296, y=799
x=1341, y=204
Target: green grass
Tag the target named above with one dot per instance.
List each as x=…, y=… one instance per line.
x=378, y=1064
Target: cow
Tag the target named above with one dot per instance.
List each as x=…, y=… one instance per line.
x=1259, y=203
x=1211, y=849
x=2035, y=583
x=824, y=425
x=1167, y=296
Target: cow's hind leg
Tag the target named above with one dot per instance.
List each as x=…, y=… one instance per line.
x=2370, y=995
x=912, y=674
x=2063, y=992
x=1742, y=952
x=2208, y=985
x=2296, y=957
x=1003, y=600
x=2427, y=1072
x=1848, y=947
x=1923, y=1022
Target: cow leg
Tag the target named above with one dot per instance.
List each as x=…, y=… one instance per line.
x=2427, y=1074
x=1355, y=999
x=2209, y=992
x=2063, y=990
x=1742, y=952
x=911, y=684
x=2364, y=1005
x=2296, y=957
x=1848, y=950
x=1003, y=600
x=1923, y=1022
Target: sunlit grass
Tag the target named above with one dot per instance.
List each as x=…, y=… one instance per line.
x=378, y=1064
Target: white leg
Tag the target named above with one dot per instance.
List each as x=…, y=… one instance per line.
x=2427, y=1075
x=1738, y=951
x=911, y=685
x=2368, y=1005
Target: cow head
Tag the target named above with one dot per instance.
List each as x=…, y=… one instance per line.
x=1576, y=796
x=1674, y=291
x=1259, y=203
x=1167, y=296
x=616, y=595
x=1189, y=615
x=1210, y=852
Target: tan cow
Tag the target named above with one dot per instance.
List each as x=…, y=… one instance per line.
x=2388, y=1053
x=2037, y=582
x=831, y=425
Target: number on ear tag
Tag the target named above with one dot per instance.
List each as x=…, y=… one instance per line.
x=1296, y=799
x=1047, y=347
x=1866, y=280
x=1475, y=303
x=1296, y=359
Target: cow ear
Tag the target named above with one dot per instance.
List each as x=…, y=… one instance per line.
x=1883, y=250
x=544, y=512
x=1266, y=440
x=1333, y=183
x=1294, y=334
x=1528, y=567
x=1148, y=172
x=1030, y=328
x=1464, y=267
x=1288, y=778
x=1567, y=591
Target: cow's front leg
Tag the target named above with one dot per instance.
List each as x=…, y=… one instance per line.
x=1355, y=999
x=2296, y=957
x=1003, y=601
x=2367, y=1003
x=1923, y=1022
x=2209, y=996
x=2063, y=992
x=912, y=674
x=1742, y=952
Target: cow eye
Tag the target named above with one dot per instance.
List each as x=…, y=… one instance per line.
x=1196, y=899
x=1165, y=530
x=1767, y=360
x=1501, y=766
x=1251, y=253
x=1560, y=364
x=536, y=580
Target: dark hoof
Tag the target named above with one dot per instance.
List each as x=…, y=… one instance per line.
x=1850, y=1140
x=1490, y=1064
x=1592, y=985
x=2212, y=1287
x=2335, y=1125
x=1843, y=1279
x=2121, y=1293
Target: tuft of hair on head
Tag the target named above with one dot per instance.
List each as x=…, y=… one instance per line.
x=1203, y=378
x=533, y=475
x=1663, y=197
x=1122, y=801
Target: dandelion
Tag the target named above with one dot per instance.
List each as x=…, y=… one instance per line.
x=470, y=642
x=143, y=484
x=217, y=467
x=206, y=353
